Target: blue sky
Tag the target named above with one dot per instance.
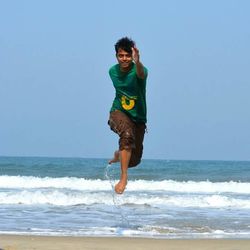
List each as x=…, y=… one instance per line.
x=55, y=92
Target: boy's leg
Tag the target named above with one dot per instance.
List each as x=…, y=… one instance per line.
x=137, y=151
x=130, y=158
x=125, y=155
x=116, y=157
x=121, y=124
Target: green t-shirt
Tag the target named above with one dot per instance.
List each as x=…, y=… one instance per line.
x=130, y=95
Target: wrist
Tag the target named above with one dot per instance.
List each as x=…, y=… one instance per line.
x=137, y=62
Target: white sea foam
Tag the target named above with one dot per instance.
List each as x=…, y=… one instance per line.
x=68, y=191
x=107, y=232
x=48, y=182
x=82, y=184
x=66, y=198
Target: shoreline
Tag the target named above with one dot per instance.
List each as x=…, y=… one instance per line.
x=31, y=242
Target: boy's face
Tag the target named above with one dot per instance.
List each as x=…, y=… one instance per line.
x=124, y=59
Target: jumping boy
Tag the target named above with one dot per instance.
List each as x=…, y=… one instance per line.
x=128, y=114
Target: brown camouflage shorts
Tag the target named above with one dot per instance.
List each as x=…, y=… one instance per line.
x=131, y=135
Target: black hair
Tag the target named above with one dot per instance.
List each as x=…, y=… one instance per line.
x=124, y=43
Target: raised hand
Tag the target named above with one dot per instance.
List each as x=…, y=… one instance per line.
x=135, y=55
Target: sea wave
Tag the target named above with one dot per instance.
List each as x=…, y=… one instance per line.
x=72, y=198
x=81, y=184
x=70, y=191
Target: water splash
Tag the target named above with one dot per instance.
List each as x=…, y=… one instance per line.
x=109, y=175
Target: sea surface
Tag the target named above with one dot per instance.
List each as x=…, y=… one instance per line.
x=163, y=199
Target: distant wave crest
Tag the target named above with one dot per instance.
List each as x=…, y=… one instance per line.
x=137, y=185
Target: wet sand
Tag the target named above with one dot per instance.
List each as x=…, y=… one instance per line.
x=15, y=242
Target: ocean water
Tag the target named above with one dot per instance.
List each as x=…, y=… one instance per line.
x=163, y=199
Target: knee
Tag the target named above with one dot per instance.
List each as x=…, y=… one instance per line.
x=127, y=140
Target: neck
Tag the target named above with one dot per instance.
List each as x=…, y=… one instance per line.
x=125, y=70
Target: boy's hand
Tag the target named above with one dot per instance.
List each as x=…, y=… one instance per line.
x=135, y=55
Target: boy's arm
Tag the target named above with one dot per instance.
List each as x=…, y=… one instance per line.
x=139, y=66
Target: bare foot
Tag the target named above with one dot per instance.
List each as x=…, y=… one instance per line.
x=116, y=158
x=121, y=185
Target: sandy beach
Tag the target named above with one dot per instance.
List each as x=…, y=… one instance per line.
x=13, y=242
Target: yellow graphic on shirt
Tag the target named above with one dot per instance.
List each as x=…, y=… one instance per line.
x=127, y=103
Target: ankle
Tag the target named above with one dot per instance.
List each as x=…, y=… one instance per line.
x=124, y=176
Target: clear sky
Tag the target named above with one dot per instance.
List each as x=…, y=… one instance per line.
x=55, y=92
